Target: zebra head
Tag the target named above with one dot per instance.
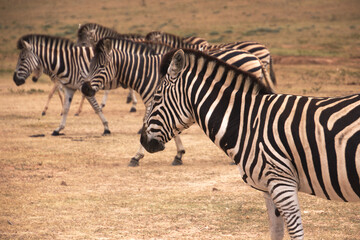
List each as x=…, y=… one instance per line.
x=167, y=114
x=27, y=63
x=87, y=35
x=100, y=68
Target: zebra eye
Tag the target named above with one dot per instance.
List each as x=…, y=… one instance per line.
x=157, y=98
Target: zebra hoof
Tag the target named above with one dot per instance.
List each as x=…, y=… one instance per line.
x=177, y=161
x=43, y=113
x=232, y=163
x=55, y=133
x=76, y=114
x=133, y=162
x=133, y=109
x=128, y=100
x=106, y=132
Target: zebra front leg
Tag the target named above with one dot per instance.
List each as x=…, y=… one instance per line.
x=69, y=93
x=134, y=162
x=180, y=152
x=283, y=193
x=275, y=219
x=104, y=99
x=97, y=109
x=132, y=98
x=80, y=105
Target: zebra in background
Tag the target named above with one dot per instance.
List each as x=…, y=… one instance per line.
x=61, y=59
x=142, y=74
x=281, y=143
x=89, y=34
x=120, y=62
x=176, y=41
x=257, y=49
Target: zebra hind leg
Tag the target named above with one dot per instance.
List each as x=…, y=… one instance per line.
x=283, y=193
x=275, y=219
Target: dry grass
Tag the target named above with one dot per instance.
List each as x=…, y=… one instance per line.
x=78, y=186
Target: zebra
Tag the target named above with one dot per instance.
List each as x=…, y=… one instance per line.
x=120, y=62
x=112, y=66
x=281, y=143
x=176, y=41
x=89, y=34
x=257, y=49
x=61, y=59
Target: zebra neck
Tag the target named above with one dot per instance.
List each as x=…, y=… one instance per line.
x=138, y=72
x=221, y=103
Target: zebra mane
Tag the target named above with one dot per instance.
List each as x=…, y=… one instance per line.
x=167, y=58
x=31, y=38
x=124, y=45
x=161, y=34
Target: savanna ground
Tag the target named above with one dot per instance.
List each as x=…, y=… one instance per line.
x=78, y=185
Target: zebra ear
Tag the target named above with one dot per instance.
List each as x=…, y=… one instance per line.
x=107, y=46
x=25, y=45
x=177, y=63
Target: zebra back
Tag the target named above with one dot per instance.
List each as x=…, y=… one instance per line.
x=176, y=41
x=90, y=33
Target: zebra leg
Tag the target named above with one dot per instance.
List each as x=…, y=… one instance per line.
x=134, y=100
x=129, y=97
x=275, y=220
x=97, y=109
x=134, y=162
x=80, y=105
x=283, y=192
x=51, y=93
x=69, y=93
x=180, y=151
x=104, y=99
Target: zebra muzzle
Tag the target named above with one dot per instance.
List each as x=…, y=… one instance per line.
x=151, y=145
x=87, y=90
x=18, y=81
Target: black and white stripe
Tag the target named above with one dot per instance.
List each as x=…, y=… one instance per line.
x=61, y=59
x=281, y=143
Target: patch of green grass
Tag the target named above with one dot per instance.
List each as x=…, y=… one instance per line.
x=260, y=31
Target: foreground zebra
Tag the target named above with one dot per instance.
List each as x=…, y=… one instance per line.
x=281, y=143
x=60, y=59
x=113, y=66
